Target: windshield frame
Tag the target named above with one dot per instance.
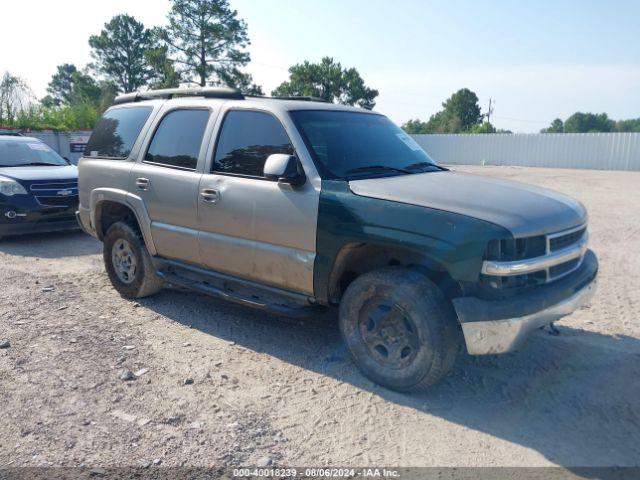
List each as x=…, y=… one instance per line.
x=323, y=171
x=26, y=141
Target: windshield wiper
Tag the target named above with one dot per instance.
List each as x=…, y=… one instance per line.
x=425, y=166
x=37, y=164
x=381, y=168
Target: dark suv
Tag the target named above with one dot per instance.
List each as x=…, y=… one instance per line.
x=38, y=188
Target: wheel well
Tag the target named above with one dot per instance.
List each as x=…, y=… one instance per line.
x=109, y=213
x=357, y=259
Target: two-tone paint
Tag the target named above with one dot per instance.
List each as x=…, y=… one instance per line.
x=315, y=238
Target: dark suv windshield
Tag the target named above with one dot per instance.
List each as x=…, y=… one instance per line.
x=351, y=145
x=26, y=153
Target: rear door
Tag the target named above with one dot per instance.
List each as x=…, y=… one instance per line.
x=167, y=178
x=252, y=227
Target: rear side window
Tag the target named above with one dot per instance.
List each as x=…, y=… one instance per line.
x=178, y=139
x=116, y=132
x=246, y=140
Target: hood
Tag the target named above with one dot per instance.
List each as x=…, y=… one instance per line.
x=64, y=172
x=524, y=210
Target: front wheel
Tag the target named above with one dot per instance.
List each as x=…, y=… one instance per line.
x=128, y=262
x=400, y=329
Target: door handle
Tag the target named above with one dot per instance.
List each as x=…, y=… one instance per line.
x=210, y=195
x=143, y=183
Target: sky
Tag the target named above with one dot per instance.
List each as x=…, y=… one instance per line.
x=537, y=60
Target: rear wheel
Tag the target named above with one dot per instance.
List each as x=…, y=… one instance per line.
x=400, y=329
x=128, y=262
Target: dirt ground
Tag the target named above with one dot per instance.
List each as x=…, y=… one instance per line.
x=227, y=386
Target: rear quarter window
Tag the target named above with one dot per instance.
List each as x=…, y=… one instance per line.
x=117, y=132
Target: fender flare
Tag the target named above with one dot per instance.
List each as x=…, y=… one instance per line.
x=133, y=202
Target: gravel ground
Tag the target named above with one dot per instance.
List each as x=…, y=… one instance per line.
x=223, y=385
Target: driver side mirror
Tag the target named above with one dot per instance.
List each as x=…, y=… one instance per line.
x=284, y=168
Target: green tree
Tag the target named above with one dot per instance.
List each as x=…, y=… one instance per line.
x=209, y=42
x=460, y=113
x=485, y=127
x=557, y=126
x=631, y=125
x=15, y=97
x=69, y=86
x=162, y=69
x=414, y=127
x=329, y=81
x=588, y=122
x=119, y=52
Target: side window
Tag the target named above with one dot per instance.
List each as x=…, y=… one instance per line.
x=246, y=140
x=116, y=132
x=178, y=138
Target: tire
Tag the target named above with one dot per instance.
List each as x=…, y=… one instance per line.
x=135, y=277
x=401, y=330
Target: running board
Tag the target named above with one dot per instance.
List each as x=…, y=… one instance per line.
x=267, y=299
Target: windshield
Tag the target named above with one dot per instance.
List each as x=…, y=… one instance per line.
x=349, y=145
x=21, y=153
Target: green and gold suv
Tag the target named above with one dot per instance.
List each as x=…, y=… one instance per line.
x=292, y=205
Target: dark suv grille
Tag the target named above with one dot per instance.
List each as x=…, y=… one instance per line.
x=559, y=242
x=513, y=250
x=56, y=194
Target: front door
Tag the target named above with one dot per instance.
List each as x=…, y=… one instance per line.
x=252, y=227
x=167, y=180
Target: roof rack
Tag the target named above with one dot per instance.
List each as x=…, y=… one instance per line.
x=206, y=92
x=300, y=98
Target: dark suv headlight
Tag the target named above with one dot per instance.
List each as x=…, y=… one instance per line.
x=9, y=187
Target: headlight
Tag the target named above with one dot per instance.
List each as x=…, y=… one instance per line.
x=9, y=187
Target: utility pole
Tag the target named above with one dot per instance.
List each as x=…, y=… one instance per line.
x=490, y=111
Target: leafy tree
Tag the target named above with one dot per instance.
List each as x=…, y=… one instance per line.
x=39, y=117
x=631, y=125
x=557, y=126
x=15, y=97
x=119, y=52
x=413, y=127
x=329, y=81
x=69, y=86
x=163, y=72
x=588, y=122
x=208, y=41
x=460, y=113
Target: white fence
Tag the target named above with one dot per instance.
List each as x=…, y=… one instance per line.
x=600, y=151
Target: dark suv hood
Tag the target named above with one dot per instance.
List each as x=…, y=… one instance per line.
x=64, y=172
x=525, y=210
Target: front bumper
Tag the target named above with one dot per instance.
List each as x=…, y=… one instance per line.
x=39, y=227
x=35, y=220
x=492, y=327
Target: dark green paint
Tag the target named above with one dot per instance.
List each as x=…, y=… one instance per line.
x=455, y=242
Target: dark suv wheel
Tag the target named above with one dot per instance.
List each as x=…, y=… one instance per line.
x=128, y=262
x=400, y=329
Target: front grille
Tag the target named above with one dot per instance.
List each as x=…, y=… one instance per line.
x=65, y=185
x=56, y=194
x=509, y=250
x=513, y=250
x=564, y=268
x=70, y=201
x=560, y=241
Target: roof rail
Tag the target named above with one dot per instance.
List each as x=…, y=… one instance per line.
x=11, y=134
x=302, y=98
x=206, y=92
